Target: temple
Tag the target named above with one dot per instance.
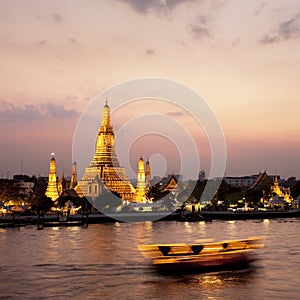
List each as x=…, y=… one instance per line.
x=62, y=184
x=52, y=191
x=172, y=185
x=283, y=193
x=74, y=180
x=141, y=183
x=104, y=170
x=148, y=173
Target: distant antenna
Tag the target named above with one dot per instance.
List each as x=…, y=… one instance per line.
x=22, y=170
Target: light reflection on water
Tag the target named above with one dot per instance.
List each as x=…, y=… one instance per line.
x=102, y=262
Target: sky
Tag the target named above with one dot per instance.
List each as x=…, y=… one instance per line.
x=241, y=57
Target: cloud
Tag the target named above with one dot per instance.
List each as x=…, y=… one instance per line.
x=259, y=9
x=58, y=111
x=27, y=112
x=235, y=42
x=10, y=112
x=181, y=43
x=285, y=31
x=147, y=6
x=72, y=98
x=289, y=29
x=150, y=51
x=57, y=17
x=269, y=39
x=199, y=31
x=217, y=4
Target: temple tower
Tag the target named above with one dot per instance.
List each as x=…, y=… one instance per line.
x=141, y=183
x=52, y=191
x=62, y=184
x=148, y=173
x=105, y=165
x=282, y=192
x=74, y=180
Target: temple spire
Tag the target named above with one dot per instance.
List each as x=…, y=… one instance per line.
x=52, y=191
x=105, y=164
x=106, y=114
x=62, y=184
x=74, y=179
x=148, y=173
x=141, y=183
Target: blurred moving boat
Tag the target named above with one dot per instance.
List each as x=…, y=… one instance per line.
x=203, y=256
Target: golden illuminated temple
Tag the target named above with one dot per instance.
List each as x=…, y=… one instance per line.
x=141, y=183
x=104, y=170
x=282, y=192
x=52, y=191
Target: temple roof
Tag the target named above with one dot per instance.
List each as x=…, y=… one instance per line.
x=261, y=182
x=172, y=184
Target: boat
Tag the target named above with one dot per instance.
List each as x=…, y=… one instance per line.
x=203, y=256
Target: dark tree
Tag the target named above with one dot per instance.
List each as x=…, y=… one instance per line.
x=295, y=190
x=253, y=196
x=41, y=204
x=156, y=192
x=62, y=200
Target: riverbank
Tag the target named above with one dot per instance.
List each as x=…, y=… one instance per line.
x=245, y=215
x=41, y=221
x=83, y=220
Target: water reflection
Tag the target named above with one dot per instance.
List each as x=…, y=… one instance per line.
x=227, y=278
x=202, y=228
x=230, y=230
x=188, y=227
x=103, y=262
x=217, y=285
x=54, y=247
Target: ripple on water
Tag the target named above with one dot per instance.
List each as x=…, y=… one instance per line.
x=102, y=262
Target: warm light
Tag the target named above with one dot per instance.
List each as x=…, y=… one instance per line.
x=105, y=159
x=52, y=191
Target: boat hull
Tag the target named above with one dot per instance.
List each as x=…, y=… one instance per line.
x=221, y=261
x=204, y=255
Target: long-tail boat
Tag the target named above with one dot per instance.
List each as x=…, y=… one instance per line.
x=203, y=256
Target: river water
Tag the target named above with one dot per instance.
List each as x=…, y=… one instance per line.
x=103, y=262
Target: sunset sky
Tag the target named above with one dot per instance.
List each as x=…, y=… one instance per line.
x=242, y=57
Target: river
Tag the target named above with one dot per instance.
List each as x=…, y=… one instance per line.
x=103, y=262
